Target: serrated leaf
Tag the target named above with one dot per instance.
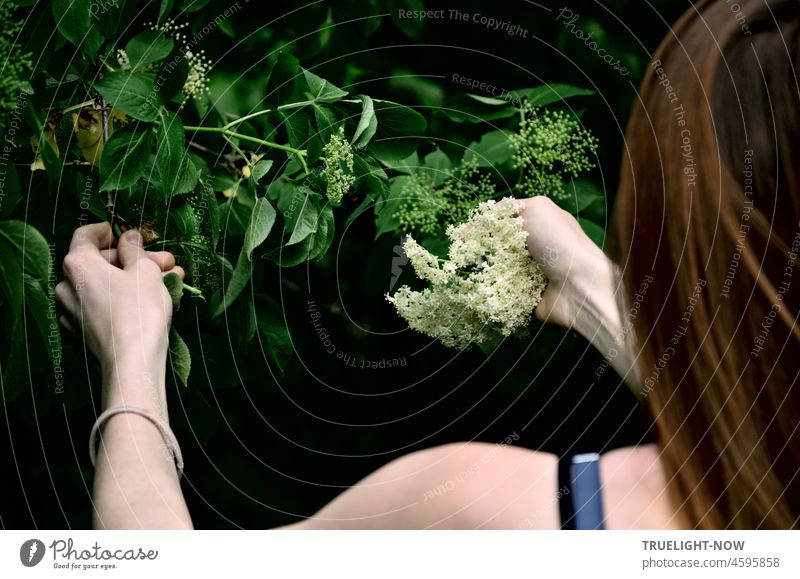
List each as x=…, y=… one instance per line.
x=134, y=93
x=260, y=169
x=31, y=245
x=175, y=288
x=171, y=147
x=180, y=357
x=73, y=19
x=399, y=133
x=125, y=157
x=321, y=90
x=38, y=301
x=262, y=219
x=367, y=123
x=493, y=149
x=275, y=337
x=11, y=192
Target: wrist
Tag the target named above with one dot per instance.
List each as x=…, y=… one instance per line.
x=137, y=376
x=596, y=312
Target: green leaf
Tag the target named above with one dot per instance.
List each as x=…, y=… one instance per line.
x=367, y=124
x=172, y=75
x=175, y=288
x=125, y=157
x=73, y=19
x=180, y=357
x=39, y=303
x=261, y=221
x=472, y=108
x=260, y=169
x=171, y=147
x=165, y=9
x=321, y=90
x=326, y=121
x=493, y=149
x=283, y=81
x=10, y=278
x=134, y=93
x=298, y=210
x=437, y=164
x=275, y=338
x=550, y=93
x=385, y=211
x=399, y=132
x=148, y=47
x=31, y=245
x=323, y=235
x=411, y=27
x=10, y=192
x=593, y=231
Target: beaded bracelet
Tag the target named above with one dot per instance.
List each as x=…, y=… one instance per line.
x=160, y=423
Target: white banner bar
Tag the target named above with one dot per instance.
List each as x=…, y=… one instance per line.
x=400, y=554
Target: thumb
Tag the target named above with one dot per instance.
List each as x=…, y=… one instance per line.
x=129, y=249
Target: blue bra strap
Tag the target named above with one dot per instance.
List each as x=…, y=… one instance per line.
x=587, y=497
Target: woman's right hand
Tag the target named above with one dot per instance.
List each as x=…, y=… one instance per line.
x=580, y=274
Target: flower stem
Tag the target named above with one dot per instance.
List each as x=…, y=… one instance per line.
x=192, y=290
x=285, y=107
x=229, y=133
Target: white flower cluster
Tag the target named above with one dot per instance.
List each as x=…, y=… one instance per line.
x=123, y=60
x=197, y=84
x=487, y=288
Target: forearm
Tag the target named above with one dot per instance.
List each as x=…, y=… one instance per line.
x=598, y=320
x=136, y=483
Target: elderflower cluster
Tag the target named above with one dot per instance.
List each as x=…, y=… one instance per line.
x=16, y=64
x=123, y=59
x=550, y=147
x=337, y=159
x=197, y=83
x=426, y=207
x=486, y=289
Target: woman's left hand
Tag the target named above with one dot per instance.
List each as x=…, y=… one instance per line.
x=115, y=293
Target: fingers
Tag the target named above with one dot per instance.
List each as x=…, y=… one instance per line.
x=163, y=259
x=129, y=249
x=95, y=236
x=177, y=269
x=67, y=324
x=66, y=296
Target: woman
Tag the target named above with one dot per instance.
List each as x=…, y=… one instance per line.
x=698, y=314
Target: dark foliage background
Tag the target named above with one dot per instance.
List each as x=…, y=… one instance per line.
x=262, y=450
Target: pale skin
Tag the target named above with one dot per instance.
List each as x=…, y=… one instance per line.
x=114, y=294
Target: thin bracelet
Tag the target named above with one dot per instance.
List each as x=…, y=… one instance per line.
x=160, y=423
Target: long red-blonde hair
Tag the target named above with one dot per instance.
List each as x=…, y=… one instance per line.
x=708, y=205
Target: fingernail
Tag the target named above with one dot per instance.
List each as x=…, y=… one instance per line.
x=134, y=237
